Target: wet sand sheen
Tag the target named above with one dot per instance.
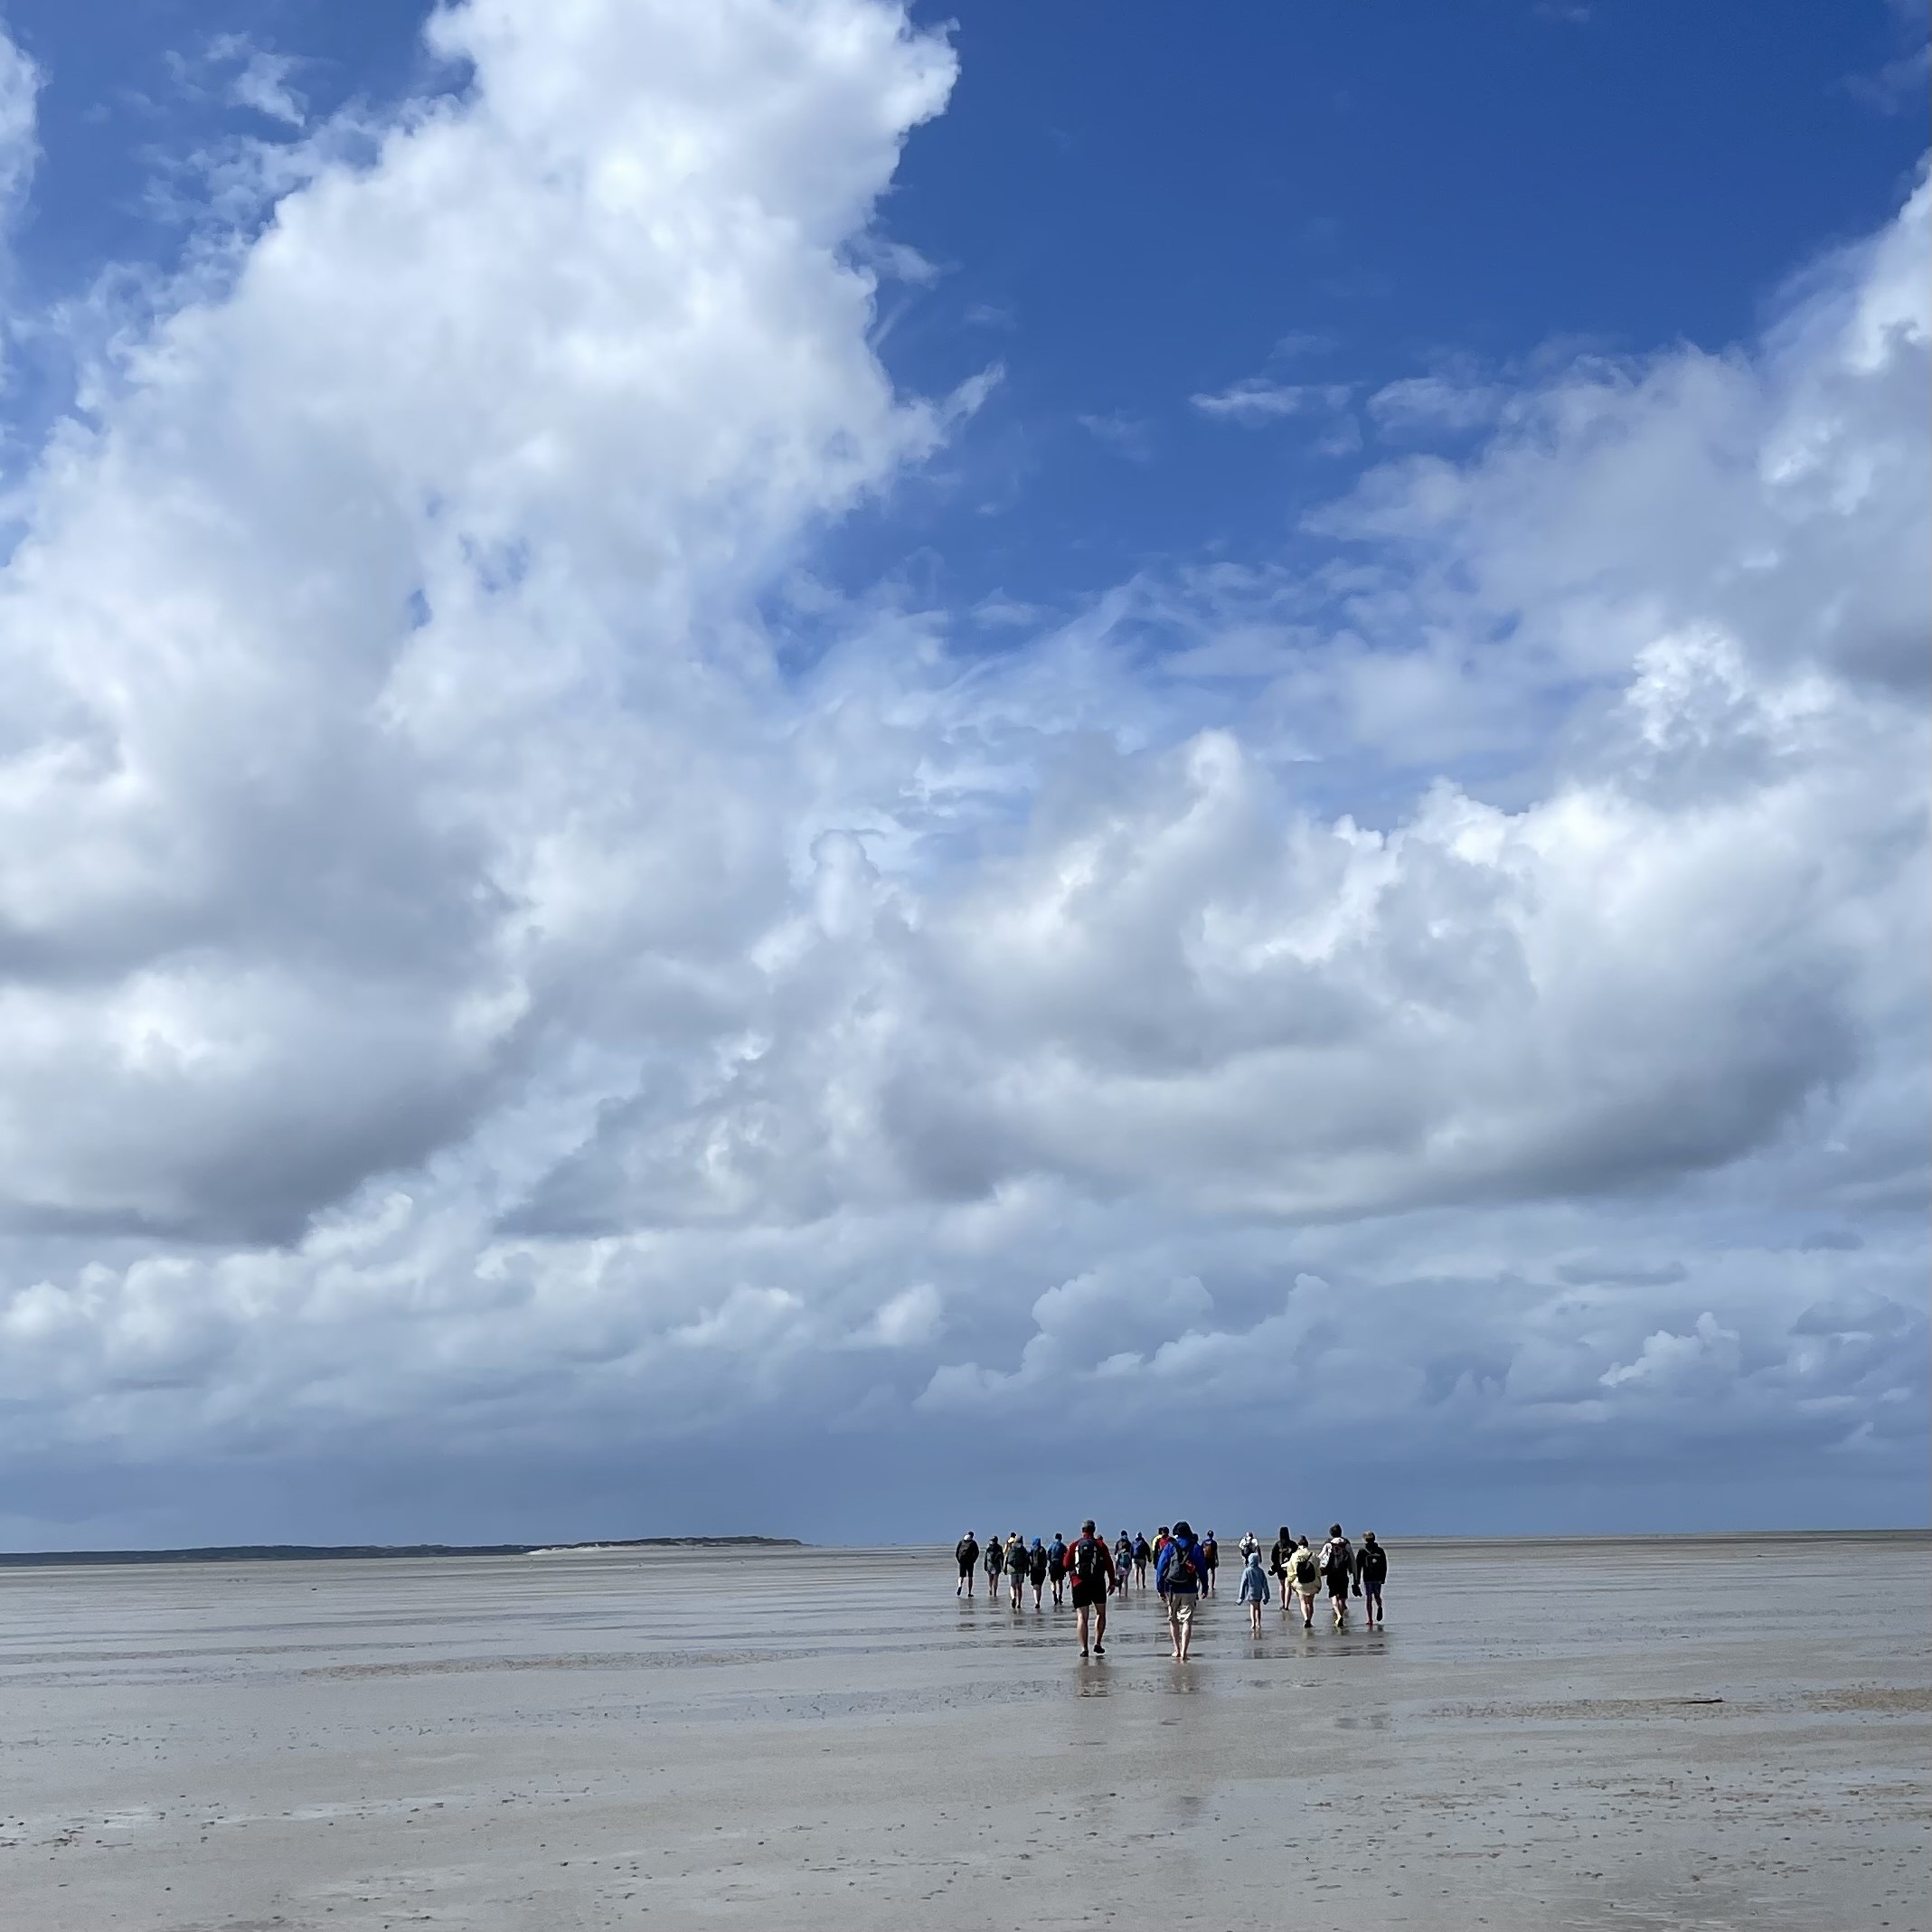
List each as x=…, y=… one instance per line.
x=817, y=1738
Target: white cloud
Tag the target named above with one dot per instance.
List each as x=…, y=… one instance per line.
x=458, y=987
x=1436, y=402
x=20, y=86
x=1256, y=399
x=1125, y=435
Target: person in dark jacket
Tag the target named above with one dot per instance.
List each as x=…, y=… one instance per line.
x=1338, y=1572
x=1371, y=1571
x=966, y=1553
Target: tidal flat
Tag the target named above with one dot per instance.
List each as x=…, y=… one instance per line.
x=1707, y=1733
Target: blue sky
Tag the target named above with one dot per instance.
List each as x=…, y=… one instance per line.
x=774, y=776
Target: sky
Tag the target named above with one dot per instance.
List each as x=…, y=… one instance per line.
x=803, y=769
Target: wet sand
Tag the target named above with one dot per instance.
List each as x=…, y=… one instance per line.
x=816, y=1739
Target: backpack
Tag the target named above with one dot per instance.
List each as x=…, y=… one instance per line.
x=1338, y=1560
x=1087, y=1565
x=1184, y=1566
x=1308, y=1572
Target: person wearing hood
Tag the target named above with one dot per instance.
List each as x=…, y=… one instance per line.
x=1178, y=1576
x=1254, y=1589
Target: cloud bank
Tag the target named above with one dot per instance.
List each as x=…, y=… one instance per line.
x=476, y=998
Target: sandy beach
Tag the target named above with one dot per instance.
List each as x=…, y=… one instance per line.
x=1721, y=1733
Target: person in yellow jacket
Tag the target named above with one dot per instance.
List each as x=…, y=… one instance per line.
x=1304, y=1579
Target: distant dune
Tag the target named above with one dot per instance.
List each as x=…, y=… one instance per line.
x=331, y=1552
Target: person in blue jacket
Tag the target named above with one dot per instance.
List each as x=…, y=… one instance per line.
x=1254, y=1589
x=1179, y=1576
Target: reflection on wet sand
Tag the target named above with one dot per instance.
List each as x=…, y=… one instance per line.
x=808, y=1739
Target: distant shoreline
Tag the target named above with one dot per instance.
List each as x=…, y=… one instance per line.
x=1473, y=1546
x=364, y=1553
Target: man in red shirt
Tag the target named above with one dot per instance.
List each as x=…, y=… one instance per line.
x=1091, y=1565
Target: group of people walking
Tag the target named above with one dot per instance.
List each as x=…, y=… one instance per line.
x=1184, y=1568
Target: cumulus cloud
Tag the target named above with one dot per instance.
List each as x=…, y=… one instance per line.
x=460, y=986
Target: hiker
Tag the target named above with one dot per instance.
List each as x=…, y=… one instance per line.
x=1371, y=1570
x=1249, y=1543
x=1210, y=1562
x=1141, y=1553
x=995, y=1563
x=1057, y=1567
x=1254, y=1589
x=1017, y=1567
x=1036, y=1567
x=1093, y=1573
x=1280, y=1551
x=1178, y=1576
x=1305, y=1572
x=1338, y=1569
x=965, y=1552
x=1123, y=1563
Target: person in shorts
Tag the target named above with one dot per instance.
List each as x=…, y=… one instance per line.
x=1371, y=1571
x=1057, y=1567
x=1017, y=1567
x=966, y=1553
x=1179, y=1576
x=1338, y=1571
x=1304, y=1578
x=1090, y=1569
